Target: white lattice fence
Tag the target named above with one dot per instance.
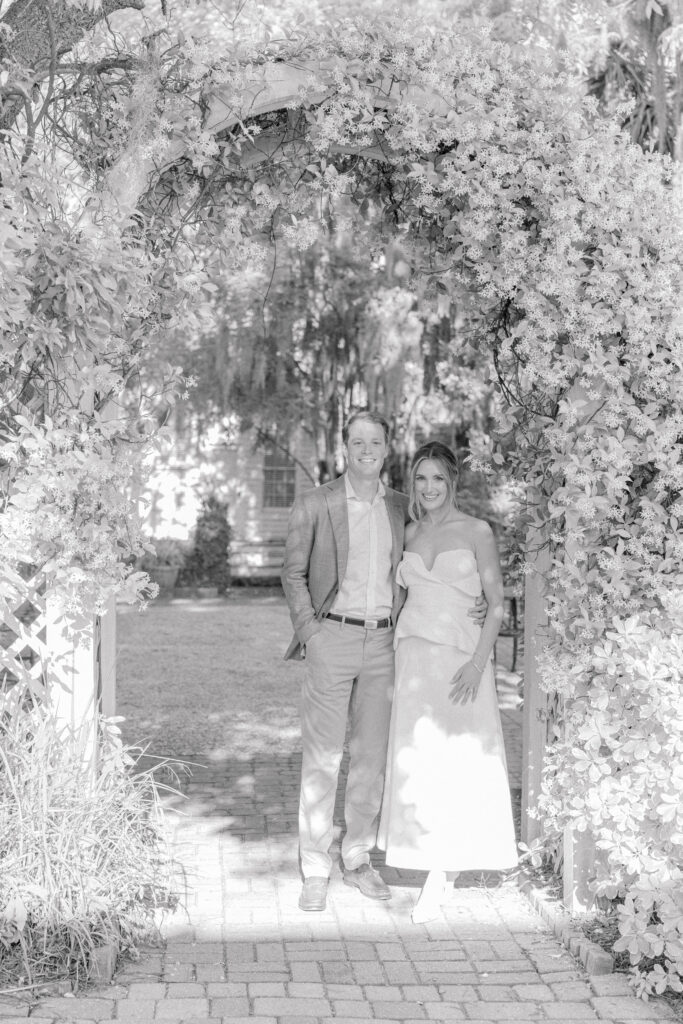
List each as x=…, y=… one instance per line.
x=23, y=627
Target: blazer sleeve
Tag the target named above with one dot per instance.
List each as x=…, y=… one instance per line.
x=295, y=569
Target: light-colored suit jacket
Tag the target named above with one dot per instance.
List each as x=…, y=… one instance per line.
x=316, y=554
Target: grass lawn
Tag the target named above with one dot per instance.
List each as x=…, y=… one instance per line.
x=208, y=677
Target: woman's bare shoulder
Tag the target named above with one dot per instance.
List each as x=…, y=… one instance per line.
x=477, y=529
x=482, y=526
x=411, y=530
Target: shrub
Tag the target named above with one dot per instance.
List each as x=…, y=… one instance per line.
x=620, y=757
x=84, y=860
x=208, y=563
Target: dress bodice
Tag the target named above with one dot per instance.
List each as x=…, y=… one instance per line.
x=439, y=598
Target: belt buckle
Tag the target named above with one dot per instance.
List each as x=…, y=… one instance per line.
x=371, y=624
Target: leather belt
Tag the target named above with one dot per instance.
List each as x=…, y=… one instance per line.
x=349, y=620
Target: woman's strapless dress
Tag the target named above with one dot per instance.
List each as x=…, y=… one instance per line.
x=446, y=802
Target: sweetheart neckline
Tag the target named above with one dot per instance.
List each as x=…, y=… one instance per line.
x=447, y=551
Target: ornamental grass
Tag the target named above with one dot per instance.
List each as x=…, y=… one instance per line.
x=84, y=863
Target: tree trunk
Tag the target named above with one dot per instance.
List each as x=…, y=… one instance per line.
x=35, y=33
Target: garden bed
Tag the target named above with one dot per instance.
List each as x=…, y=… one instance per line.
x=86, y=868
x=590, y=940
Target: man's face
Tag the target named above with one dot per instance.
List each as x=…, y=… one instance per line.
x=365, y=450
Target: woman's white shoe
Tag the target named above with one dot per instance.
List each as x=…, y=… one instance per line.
x=435, y=893
x=423, y=912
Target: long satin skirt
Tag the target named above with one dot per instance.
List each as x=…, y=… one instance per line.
x=446, y=803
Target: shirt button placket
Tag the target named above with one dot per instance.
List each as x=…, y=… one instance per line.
x=372, y=575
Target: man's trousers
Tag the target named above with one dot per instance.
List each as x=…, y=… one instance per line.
x=349, y=678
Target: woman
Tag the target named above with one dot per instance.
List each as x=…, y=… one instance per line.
x=446, y=805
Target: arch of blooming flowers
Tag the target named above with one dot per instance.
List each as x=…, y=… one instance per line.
x=559, y=242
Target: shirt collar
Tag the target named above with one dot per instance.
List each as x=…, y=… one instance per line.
x=350, y=493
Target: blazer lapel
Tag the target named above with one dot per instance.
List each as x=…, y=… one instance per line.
x=397, y=520
x=336, y=505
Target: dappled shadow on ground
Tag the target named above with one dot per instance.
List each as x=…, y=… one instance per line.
x=210, y=676
x=256, y=802
x=233, y=826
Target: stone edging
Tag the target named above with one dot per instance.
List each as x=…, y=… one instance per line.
x=103, y=963
x=102, y=969
x=594, y=958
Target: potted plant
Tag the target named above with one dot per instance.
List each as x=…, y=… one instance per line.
x=163, y=562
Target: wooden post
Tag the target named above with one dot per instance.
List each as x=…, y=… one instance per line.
x=534, y=718
x=580, y=852
x=578, y=868
x=108, y=660
x=72, y=675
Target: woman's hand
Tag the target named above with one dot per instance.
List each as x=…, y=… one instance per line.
x=465, y=683
x=478, y=610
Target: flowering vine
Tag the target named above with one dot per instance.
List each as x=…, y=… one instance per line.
x=559, y=244
x=82, y=300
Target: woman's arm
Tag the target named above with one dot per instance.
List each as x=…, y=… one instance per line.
x=465, y=683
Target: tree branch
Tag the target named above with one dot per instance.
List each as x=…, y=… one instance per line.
x=37, y=31
x=264, y=437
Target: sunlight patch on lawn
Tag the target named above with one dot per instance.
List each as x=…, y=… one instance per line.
x=213, y=683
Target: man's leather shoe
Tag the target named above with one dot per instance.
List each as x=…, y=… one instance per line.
x=369, y=881
x=313, y=893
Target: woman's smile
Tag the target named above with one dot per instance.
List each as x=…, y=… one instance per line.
x=431, y=485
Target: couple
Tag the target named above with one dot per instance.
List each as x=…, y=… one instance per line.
x=353, y=549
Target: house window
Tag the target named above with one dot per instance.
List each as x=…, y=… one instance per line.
x=279, y=478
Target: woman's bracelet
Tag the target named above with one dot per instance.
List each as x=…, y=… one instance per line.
x=476, y=666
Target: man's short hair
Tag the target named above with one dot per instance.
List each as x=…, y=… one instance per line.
x=367, y=416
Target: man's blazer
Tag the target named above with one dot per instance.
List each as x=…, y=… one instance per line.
x=316, y=554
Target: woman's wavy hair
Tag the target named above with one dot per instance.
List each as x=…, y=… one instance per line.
x=446, y=458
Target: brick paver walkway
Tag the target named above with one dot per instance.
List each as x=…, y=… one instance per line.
x=242, y=950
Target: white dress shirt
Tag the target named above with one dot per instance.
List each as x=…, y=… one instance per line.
x=366, y=591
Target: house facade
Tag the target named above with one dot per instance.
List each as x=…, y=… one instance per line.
x=257, y=481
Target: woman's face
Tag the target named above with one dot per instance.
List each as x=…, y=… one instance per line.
x=431, y=485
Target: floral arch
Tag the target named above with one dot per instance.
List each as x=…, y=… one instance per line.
x=559, y=241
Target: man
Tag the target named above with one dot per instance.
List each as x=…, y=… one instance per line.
x=344, y=543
